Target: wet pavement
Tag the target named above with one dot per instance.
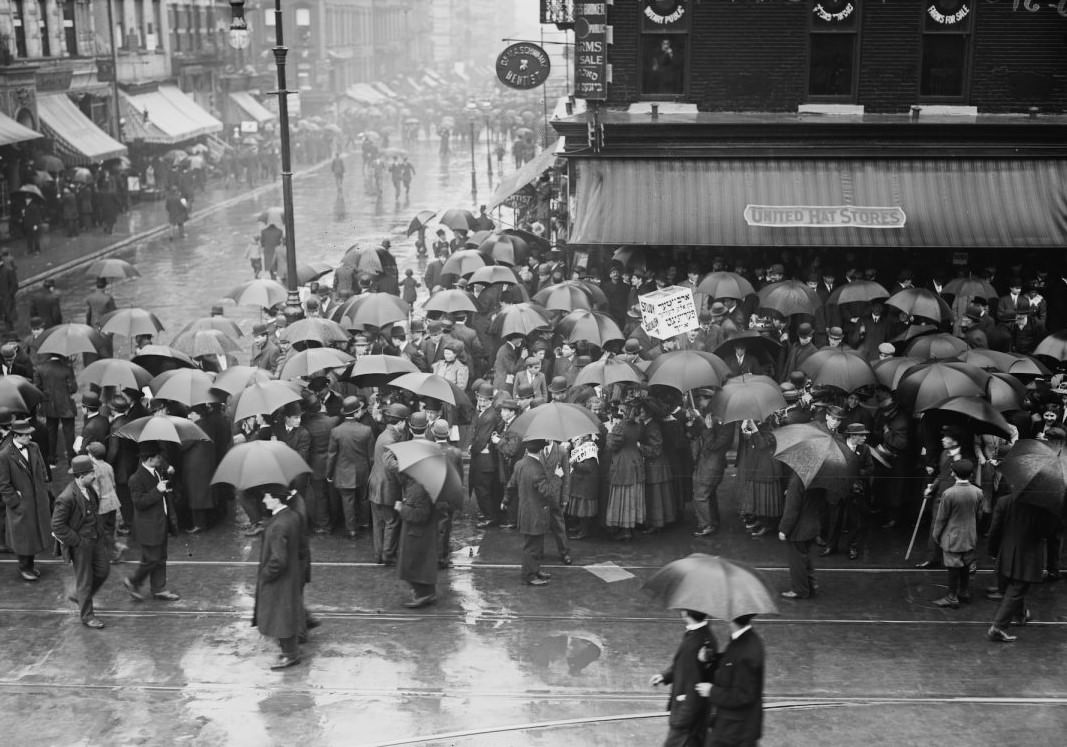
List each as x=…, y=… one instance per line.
x=869, y=660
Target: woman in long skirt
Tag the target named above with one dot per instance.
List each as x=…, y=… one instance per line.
x=760, y=477
x=626, y=498
x=660, y=509
x=584, y=488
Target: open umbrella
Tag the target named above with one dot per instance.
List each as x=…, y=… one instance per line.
x=929, y=384
x=426, y=464
x=450, y=300
x=1054, y=346
x=261, y=292
x=505, y=249
x=112, y=269
x=433, y=386
x=158, y=358
x=420, y=221
x=941, y=347
x=990, y=360
x=920, y=302
x=272, y=216
x=363, y=260
x=725, y=285
x=755, y=343
x=747, y=397
x=976, y=413
x=1005, y=392
x=721, y=588
x=476, y=239
x=315, y=329
x=685, y=370
x=168, y=428
x=81, y=175
x=970, y=287
x=520, y=318
x=204, y=342
x=49, y=163
x=1027, y=366
x=256, y=463
x=69, y=340
x=308, y=271
x=820, y=459
x=843, y=369
x=116, y=372
x=175, y=156
x=42, y=177
x=592, y=326
x=306, y=363
x=1036, y=471
x=457, y=218
x=789, y=297
x=556, y=421
x=377, y=370
x=463, y=262
x=222, y=324
x=263, y=399
x=857, y=291
x=889, y=370
x=608, y=371
x=188, y=386
x=18, y=394
x=533, y=240
x=493, y=274
x=376, y=310
x=131, y=322
x=236, y=378
x=563, y=297
x=30, y=190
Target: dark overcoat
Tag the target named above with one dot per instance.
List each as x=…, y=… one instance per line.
x=1015, y=536
x=279, y=608
x=24, y=490
x=416, y=560
x=737, y=691
x=537, y=490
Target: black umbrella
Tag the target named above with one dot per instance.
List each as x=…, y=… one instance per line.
x=1037, y=474
x=764, y=347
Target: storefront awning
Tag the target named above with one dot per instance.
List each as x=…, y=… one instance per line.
x=12, y=132
x=384, y=90
x=528, y=173
x=252, y=108
x=77, y=137
x=166, y=116
x=820, y=203
x=365, y=94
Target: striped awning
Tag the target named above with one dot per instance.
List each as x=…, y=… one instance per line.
x=822, y=202
x=77, y=137
x=252, y=108
x=166, y=116
x=12, y=132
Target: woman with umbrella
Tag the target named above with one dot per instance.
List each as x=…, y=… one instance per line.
x=760, y=477
x=626, y=496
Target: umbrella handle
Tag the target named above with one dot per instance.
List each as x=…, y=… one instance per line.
x=915, y=533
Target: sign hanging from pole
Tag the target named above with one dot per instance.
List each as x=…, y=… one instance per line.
x=523, y=66
x=591, y=51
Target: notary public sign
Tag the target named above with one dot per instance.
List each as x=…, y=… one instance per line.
x=523, y=66
x=824, y=216
x=668, y=312
x=591, y=51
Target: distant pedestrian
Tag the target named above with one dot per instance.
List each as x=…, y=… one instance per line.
x=689, y=711
x=9, y=285
x=177, y=212
x=337, y=167
x=45, y=305
x=279, y=606
x=254, y=255
x=409, y=287
x=33, y=225
x=799, y=526
x=68, y=206
x=78, y=526
x=736, y=692
x=407, y=173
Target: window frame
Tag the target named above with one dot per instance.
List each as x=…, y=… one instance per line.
x=855, y=31
x=965, y=30
x=683, y=30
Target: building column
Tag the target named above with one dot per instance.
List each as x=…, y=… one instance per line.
x=31, y=26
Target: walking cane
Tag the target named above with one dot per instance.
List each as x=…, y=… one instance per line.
x=914, y=534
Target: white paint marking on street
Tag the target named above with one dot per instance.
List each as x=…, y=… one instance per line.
x=609, y=572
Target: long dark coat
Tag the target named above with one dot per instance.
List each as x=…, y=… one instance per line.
x=416, y=560
x=56, y=380
x=1015, y=539
x=197, y=467
x=279, y=609
x=737, y=691
x=800, y=515
x=537, y=490
x=24, y=490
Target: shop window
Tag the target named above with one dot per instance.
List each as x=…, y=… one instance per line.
x=664, y=47
x=70, y=30
x=42, y=28
x=20, y=29
x=946, y=48
x=303, y=25
x=833, y=45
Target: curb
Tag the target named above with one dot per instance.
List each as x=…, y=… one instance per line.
x=118, y=246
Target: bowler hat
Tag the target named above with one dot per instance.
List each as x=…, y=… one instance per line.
x=81, y=465
x=558, y=385
x=486, y=390
x=24, y=426
x=718, y=309
x=834, y=411
x=533, y=360
x=433, y=327
x=509, y=404
x=418, y=422
x=704, y=392
x=91, y=401
x=973, y=312
x=856, y=429
x=396, y=412
x=440, y=429
x=349, y=405
x=9, y=350
x=259, y=329
x=96, y=449
x=632, y=346
x=835, y=333
x=805, y=330
x=524, y=391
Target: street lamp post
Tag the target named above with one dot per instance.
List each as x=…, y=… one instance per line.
x=487, y=107
x=238, y=26
x=472, y=115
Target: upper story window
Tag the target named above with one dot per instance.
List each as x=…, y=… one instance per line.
x=833, y=49
x=946, y=49
x=664, y=47
x=17, y=16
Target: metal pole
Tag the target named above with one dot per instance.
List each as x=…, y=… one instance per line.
x=474, y=176
x=293, y=309
x=114, y=71
x=488, y=150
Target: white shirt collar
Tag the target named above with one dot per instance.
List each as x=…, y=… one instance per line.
x=696, y=626
x=735, y=635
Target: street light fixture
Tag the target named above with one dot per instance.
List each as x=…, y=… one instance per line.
x=239, y=27
x=487, y=107
x=472, y=116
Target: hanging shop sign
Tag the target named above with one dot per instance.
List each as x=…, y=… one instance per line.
x=591, y=51
x=664, y=12
x=833, y=216
x=522, y=199
x=523, y=66
x=948, y=12
x=668, y=312
x=833, y=11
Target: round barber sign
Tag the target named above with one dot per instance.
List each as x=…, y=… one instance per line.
x=523, y=66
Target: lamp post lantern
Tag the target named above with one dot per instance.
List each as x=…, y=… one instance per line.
x=238, y=36
x=472, y=116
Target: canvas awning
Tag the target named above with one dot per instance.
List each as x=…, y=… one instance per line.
x=528, y=173
x=166, y=116
x=253, y=109
x=363, y=93
x=822, y=202
x=12, y=132
x=77, y=137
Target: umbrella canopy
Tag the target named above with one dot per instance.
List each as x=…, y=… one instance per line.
x=747, y=397
x=236, y=378
x=820, y=459
x=1037, y=474
x=789, y=297
x=315, y=329
x=451, y=300
x=941, y=347
x=204, y=342
x=607, y=371
x=591, y=326
x=168, y=428
x=457, y=218
x=844, y=369
x=433, y=386
x=70, y=339
x=255, y=463
x=263, y=399
x=463, y=262
x=272, y=216
x=426, y=464
x=378, y=370
x=478, y=238
x=420, y=221
x=175, y=156
x=721, y=588
x=306, y=363
x=505, y=249
x=970, y=287
x=189, y=386
x=520, y=318
x=1024, y=365
x=81, y=175
x=261, y=292
x=929, y=384
x=493, y=274
x=18, y=394
x=117, y=372
x=364, y=260
x=158, y=358
x=30, y=190
x=222, y=324
x=556, y=421
x=112, y=269
x=889, y=370
x=563, y=297
x=199, y=149
x=857, y=291
x=764, y=347
x=376, y=310
x=1005, y=392
x=308, y=271
x=131, y=322
x=533, y=240
x=921, y=302
x=1054, y=346
x=976, y=413
x=687, y=369
x=49, y=163
x=990, y=360
x=725, y=285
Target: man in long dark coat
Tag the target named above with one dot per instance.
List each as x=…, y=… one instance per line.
x=799, y=526
x=153, y=522
x=1015, y=541
x=535, y=489
x=736, y=691
x=24, y=491
x=483, y=477
x=279, y=606
x=55, y=378
x=79, y=528
x=688, y=722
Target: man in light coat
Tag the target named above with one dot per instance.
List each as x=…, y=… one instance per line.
x=955, y=530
